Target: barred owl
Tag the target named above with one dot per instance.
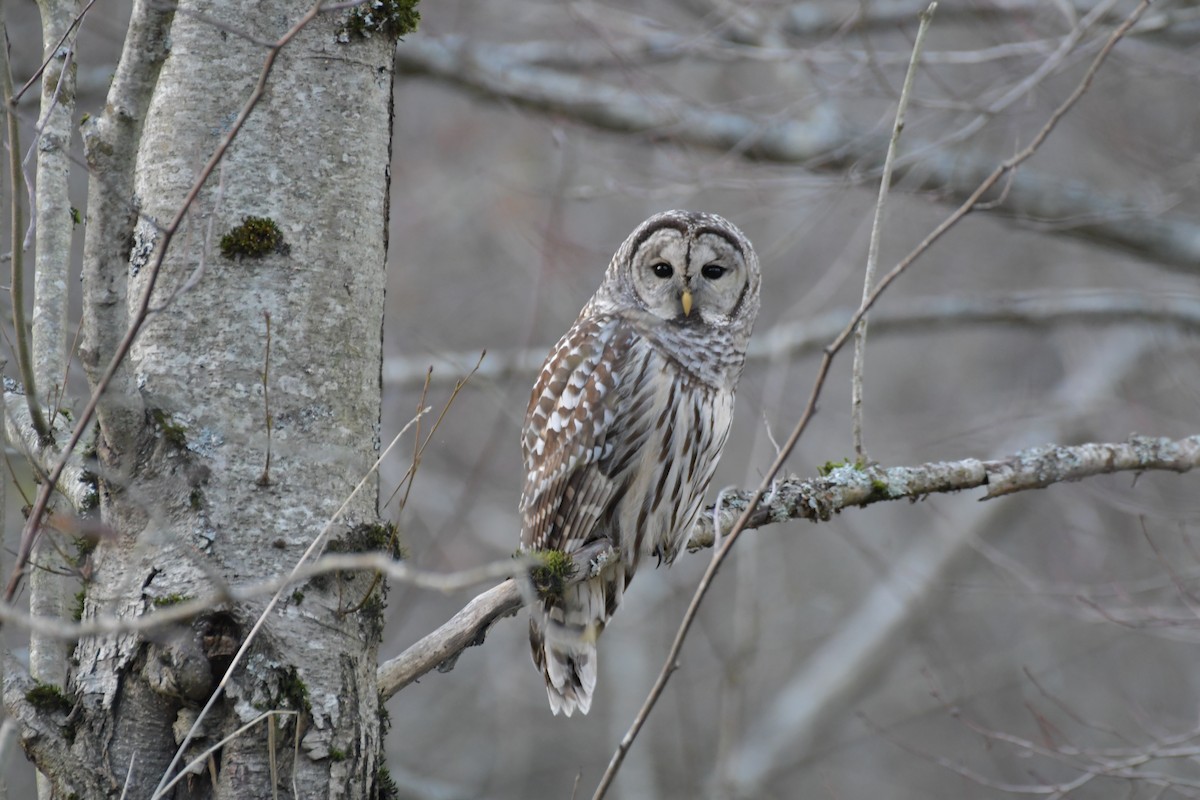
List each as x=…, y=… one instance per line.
x=627, y=421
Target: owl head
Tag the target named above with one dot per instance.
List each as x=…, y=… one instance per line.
x=685, y=268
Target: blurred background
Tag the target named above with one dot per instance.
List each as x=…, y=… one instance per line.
x=1043, y=644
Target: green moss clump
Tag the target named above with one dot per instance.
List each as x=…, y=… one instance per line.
x=48, y=697
x=196, y=499
x=551, y=575
x=336, y=755
x=84, y=547
x=370, y=537
x=173, y=432
x=170, y=600
x=385, y=719
x=392, y=18
x=297, y=597
x=830, y=466
x=77, y=608
x=254, y=238
x=293, y=689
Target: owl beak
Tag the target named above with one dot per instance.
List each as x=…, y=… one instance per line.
x=686, y=301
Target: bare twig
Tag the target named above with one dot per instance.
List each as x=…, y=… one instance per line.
x=50, y=53
x=885, y=185
x=410, y=474
x=268, y=716
x=184, y=611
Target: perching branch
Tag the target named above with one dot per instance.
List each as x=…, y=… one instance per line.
x=818, y=500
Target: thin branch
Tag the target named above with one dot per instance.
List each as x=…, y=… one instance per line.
x=849, y=660
x=812, y=19
x=51, y=52
x=885, y=185
x=204, y=754
x=329, y=563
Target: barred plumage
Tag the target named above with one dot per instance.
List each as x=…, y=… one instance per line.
x=627, y=421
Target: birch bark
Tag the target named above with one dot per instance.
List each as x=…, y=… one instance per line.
x=184, y=443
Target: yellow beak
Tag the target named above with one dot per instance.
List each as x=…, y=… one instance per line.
x=686, y=301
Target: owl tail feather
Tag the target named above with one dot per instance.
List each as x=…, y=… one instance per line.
x=563, y=639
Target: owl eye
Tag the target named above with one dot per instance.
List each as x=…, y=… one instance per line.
x=713, y=271
x=663, y=270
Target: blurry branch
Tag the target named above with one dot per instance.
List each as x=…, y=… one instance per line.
x=1131, y=763
x=917, y=315
x=328, y=564
x=1180, y=24
x=819, y=499
x=52, y=584
x=1021, y=89
x=821, y=142
x=644, y=48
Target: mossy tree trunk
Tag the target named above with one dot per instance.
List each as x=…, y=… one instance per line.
x=188, y=423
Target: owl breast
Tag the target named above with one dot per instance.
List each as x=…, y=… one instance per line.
x=666, y=477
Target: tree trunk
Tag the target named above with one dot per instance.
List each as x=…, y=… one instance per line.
x=246, y=360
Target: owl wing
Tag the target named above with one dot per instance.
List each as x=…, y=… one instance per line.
x=581, y=431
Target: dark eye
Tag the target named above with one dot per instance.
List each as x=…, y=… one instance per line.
x=713, y=271
x=663, y=270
